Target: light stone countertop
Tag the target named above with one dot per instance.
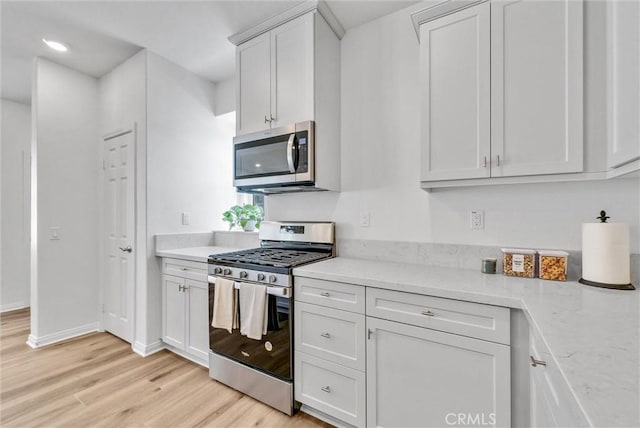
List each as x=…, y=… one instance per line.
x=194, y=254
x=592, y=333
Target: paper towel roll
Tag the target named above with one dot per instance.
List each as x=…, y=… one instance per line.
x=605, y=253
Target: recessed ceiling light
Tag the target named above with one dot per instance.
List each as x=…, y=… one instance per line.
x=57, y=46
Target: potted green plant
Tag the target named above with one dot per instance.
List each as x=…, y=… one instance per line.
x=247, y=216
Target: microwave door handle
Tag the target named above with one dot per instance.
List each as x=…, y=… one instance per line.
x=290, y=154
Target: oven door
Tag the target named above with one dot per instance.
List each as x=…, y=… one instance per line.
x=277, y=156
x=273, y=353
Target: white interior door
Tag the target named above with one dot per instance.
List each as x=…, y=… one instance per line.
x=119, y=234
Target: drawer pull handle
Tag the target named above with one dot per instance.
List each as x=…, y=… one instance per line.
x=184, y=269
x=428, y=313
x=369, y=333
x=324, y=294
x=327, y=335
x=536, y=363
x=326, y=388
x=246, y=354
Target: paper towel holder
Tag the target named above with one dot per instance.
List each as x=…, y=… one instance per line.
x=603, y=219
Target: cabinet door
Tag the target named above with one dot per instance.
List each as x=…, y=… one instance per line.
x=536, y=87
x=292, y=71
x=253, y=85
x=173, y=314
x=455, y=79
x=197, y=318
x=421, y=377
x=624, y=82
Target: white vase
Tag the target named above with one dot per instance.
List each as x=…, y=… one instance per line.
x=250, y=226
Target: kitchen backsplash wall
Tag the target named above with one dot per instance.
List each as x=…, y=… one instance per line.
x=381, y=164
x=448, y=255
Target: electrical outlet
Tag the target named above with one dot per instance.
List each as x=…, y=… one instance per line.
x=186, y=219
x=365, y=218
x=477, y=219
x=54, y=233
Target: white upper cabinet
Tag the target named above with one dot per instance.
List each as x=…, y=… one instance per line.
x=624, y=82
x=536, y=87
x=276, y=76
x=454, y=59
x=253, y=61
x=292, y=71
x=502, y=91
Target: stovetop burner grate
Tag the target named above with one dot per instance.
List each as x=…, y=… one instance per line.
x=270, y=257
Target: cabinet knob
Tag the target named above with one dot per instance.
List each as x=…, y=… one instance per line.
x=428, y=313
x=325, y=335
x=536, y=363
x=325, y=388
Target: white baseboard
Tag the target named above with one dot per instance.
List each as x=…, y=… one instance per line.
x=146, y=350
x=184, y=354
x=13, y=306
x=39, y=342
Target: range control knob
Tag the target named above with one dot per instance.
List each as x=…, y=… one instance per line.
x=272, y=278
x=243, y=274
x=260, y=277
x=217, y=270
x=227, y=272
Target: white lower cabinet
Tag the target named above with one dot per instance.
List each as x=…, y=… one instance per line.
x=329, y=348
x=416, y=368
x=185, y=312
x=552, y=403
x=422, y=377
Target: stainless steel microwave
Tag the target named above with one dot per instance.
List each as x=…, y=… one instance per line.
x=277, y=160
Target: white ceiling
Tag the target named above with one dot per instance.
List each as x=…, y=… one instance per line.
x=102, y=34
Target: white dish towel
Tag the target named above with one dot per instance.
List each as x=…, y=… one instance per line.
x=225, y=305
x=253, y=310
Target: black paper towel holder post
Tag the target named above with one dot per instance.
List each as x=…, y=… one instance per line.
x=603, y=219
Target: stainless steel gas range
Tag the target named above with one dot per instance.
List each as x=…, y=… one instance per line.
x=263, y=368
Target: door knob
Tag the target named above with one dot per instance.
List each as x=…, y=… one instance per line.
x=126, y=249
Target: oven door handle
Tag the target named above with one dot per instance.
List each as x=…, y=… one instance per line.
x=291, y=158
x=274, y=291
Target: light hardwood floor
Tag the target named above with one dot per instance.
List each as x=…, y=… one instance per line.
x=96, y=380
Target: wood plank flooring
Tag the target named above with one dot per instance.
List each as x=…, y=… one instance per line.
x=96, y=380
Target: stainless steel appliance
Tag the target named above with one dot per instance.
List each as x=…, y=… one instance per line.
x=263, y=368
x=278, y=160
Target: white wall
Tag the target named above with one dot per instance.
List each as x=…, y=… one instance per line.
x=16, y=149
x=65, y=114
x=189, y=160
x=380, y=166
x=123, y=104
x=225, y=97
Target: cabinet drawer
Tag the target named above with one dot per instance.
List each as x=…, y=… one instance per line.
x=332, y=334
x=185, y=269
x=331, y=388
x=552, y=385
x=468, y=319
x=337, y=295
